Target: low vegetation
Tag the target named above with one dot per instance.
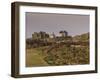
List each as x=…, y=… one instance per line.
x=58, y=51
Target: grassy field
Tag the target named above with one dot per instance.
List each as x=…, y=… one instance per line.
x=34, y=58
x=57, y=55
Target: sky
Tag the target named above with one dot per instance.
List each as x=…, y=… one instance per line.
x=50, y=22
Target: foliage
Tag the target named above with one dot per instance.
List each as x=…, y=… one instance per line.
x=66, y=50
x=64, y=55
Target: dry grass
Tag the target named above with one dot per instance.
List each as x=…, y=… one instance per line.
x=62, y=55
x=33, y=58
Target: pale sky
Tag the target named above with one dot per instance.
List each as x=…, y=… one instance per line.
x=50, y=22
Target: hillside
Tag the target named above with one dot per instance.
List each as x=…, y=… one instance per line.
x=66, y=52
x=82, y=37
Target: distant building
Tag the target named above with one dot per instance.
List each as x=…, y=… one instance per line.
x=52, y=35
x=40, y=35
x=64, y=33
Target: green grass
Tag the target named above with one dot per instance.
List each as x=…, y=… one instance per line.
x=33, y=58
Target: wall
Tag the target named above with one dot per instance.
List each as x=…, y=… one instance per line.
x=5, y=40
